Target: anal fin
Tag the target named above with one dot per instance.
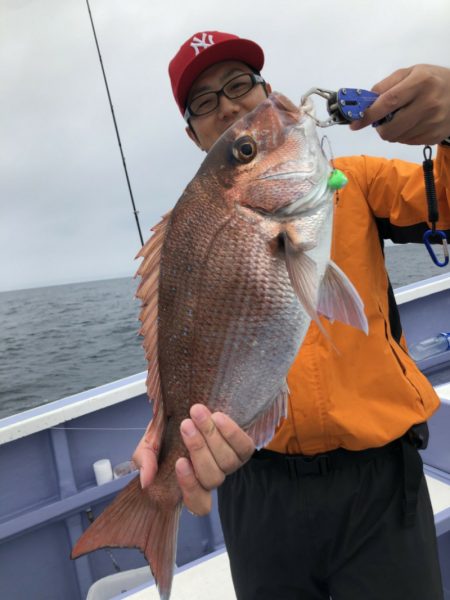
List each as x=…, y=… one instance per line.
x=262, y=430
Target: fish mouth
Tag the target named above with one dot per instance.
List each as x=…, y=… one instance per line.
x=305, y=203
x=286, y=175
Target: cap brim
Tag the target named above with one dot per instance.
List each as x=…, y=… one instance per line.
x=239, y=49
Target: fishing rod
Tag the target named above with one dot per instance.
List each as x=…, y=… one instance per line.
x=89, y=513
x=136, y=213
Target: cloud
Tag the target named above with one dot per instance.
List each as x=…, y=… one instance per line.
x=65, y=209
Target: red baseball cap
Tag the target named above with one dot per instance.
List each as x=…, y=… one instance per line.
x=203, y=50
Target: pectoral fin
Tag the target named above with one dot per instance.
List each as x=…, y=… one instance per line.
x=302, y=272
x=339, y=301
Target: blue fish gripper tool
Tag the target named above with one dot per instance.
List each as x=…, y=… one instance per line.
x=345, y=105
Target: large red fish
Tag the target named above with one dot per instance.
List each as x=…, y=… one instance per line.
x=231, y=279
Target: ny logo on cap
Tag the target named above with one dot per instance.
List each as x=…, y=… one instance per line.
x=202, y=43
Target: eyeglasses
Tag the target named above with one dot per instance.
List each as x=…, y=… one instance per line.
x=209, y=101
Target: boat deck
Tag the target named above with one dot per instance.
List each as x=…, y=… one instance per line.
x=199, y=578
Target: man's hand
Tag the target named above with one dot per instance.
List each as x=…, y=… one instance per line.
x=217, y=447
x=146, y=460
x=421, y=95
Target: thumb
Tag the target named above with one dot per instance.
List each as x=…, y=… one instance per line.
x=146, y=461
x=389, y=82
x=393, y=94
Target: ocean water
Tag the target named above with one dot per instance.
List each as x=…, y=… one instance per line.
x=60, y=340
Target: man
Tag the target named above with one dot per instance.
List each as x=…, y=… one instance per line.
x=337, y=504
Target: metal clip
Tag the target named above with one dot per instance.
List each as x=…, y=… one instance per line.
x=426, y=240
x=331, y=98
x=345, y=106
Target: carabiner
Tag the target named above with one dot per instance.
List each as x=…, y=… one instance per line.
x=331, y=98
x=426, y=240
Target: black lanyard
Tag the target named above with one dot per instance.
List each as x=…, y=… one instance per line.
x=433, y=211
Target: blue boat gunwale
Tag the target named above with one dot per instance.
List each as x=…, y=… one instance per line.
x=422, y=288
x=60, y=411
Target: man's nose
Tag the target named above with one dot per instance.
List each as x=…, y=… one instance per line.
x=227, y=107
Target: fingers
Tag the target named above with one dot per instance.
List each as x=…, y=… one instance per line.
x=206, y=469
x=227, y=442
x=419, y=98
x=395, y=93
x=400, y=128
x=146, y=461
x=389, y=82
x=238, y=440
x=195, y=497
x=216, y=445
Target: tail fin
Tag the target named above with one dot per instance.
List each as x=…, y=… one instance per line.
x=137, y=519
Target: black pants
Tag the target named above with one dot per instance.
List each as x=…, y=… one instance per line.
x=340, y=533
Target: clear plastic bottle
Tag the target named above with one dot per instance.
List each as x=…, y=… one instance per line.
x=431, y=346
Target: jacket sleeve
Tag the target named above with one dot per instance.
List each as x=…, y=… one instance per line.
x=395, y=192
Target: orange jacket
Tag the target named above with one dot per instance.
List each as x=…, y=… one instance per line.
x=371, y=392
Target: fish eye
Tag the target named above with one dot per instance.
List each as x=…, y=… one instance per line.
x=244, y=149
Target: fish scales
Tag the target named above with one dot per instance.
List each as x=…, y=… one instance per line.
x=234, y=322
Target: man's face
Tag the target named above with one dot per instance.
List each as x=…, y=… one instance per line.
x=208, y=128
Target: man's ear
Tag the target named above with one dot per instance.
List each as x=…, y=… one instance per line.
x=193, y=137
x=268, y=88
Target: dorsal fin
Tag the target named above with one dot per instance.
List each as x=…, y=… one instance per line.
x=147, y=292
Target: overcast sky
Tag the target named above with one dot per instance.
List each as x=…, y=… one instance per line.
x=65, y=212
